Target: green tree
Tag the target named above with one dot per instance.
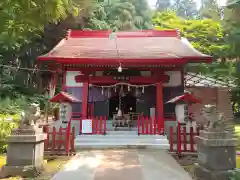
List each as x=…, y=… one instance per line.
x=210, y=9
x=163, y=5
x=186, y=8
x=207, y=36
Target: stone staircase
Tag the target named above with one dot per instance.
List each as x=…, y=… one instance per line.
x=121, y=139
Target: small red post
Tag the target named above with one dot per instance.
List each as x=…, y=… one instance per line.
x=101, y=125
x=146, y=125
x=171, y=138
x=59, y=141
x=185, y=139
x=46, y=141
x=155, y=125
x=191, y=139
x=53, y=138
x=138, y=125
x=105, y=125
x=179, y=143
x=72, y=140
x=68, y=134
x=142, y=125
x=80, y=125
x=151, y=125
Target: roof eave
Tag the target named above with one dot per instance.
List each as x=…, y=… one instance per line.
x=183, y=60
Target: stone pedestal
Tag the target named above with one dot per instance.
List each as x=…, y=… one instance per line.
x=216, y=155
x=24, y=153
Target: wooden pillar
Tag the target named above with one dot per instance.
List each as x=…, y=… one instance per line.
x=159, y=107
x=85, y=97
x=159, y=100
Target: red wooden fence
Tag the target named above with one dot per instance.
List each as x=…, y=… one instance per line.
x=59, y=142
x=182, y=141
x=149, y=125
x=99, y=125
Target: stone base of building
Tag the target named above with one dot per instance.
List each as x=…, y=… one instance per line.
x=205, y=174
x=22, y=171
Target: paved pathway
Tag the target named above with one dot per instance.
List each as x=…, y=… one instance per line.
x=122, y=165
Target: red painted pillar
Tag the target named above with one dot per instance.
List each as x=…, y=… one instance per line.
x=85, y=98
x=159, y=105
x=84, y=101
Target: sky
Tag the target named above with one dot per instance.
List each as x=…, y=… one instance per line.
x=220, y=2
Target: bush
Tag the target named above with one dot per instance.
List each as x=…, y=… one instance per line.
x=6, y=127
x=236, y=175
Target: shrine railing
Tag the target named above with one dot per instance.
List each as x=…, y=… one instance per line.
x=98, y=125
x=149, y=125
x=182, y=138
x=59, y=141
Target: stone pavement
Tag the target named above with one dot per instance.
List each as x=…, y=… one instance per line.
x=122, y=165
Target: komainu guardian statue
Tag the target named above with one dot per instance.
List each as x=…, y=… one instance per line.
x=215, y=121
x=30, y=116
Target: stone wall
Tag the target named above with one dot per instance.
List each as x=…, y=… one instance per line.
x=220, y=97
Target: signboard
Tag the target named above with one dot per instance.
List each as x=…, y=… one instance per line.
x=87, y=126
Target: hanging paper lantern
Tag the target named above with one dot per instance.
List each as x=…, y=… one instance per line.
x=143, y=89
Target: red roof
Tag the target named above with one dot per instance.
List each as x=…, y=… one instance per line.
x=91, y=47
x=187, y=98
x=63, y=97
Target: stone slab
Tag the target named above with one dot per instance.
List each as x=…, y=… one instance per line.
x=205, y=174
x=216, y=135
x=23, y=154
x=126, y=164
x=216, y=142
x=23, y=171
x=221, y=158
x=26, y=138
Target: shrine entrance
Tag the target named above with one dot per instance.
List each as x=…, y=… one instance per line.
x=128, y=104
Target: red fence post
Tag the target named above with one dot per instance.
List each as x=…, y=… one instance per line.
x=179, y=143
x=155, y=125
x=80, y=125
x=105, y=125
x=72, y=142
x=185, y=139
x=53, y=138
x=60, y=139
x=191, y=139
x=171, y=138
x=68, y=134
x=142, y=125
x=46, y=141
x=100, y=131
x=146, y=125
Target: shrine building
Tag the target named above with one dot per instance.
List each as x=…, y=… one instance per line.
x=122, y=74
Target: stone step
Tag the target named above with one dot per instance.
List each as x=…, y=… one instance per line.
x=132, y=141
x=119, y=136
x=91, y=145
